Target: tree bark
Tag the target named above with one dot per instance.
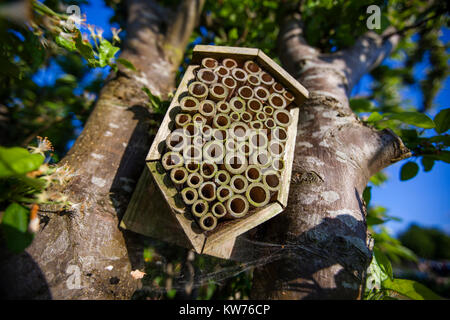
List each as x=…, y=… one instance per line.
x=323, y=246
x=107, y=158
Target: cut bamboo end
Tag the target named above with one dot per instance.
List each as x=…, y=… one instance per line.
x=189, y=105
x=192, y=153
x=276, y=149
x=239, y=131
x=282, y=118
x=272, y=180
x=194, y=180
x=189, y=195
x=270, y=124
x=231, y=146
x=222, y=177
x=218, y=210
x=288, y=96
x=253, y=173
x=223, y=107
x=230, y=84
x=277, y=101
x=239, y=184
x=178, y=176
x=229, y=63
x=239, y=75
x=245, y=148
x=192, y=166
x=224, y=192
x=258, y=140
x=220, y=134
x=176, y=141
x=207, y=108
x=262, y=93
x=198, y=141
x=257, y=194
x=279, y=134
x=235, y=116
x=207, y=191
x=190, y=130
x=182, y=119
x=199, y=208
x=214, y=151
x=266, y=79
x=261, y=159
x=260, y=116
x=277, y=88
x=198, y=120
x=254, y=106
x=256, y=125
x=237, y=104
x=277, y=164
x=222, y=72
x=209, y=63
x=253, y=81
x=207, y=76
x=268, y=110
x=246, y=92
x=235, y=163
x=172, y=160
x=237, y=206
x=199, y=90
x=207, y=132
x=208, y=169
x=221, y=121
x=246, y=117
x=218, y=92
x=208, y=222
x=252, y=67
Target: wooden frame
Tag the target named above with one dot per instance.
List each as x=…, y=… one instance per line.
x=170, y=220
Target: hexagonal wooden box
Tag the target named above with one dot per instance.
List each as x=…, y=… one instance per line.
x=164, y=215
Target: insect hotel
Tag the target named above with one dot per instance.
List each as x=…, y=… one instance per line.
x=221, y=161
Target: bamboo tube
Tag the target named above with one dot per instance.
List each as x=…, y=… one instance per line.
x=289, y=97
x=237, y=104
x=198, y=90
x=276, y=149
x=235, y=116
x=230, y=84
x=208, y=169
x=214, y=151
x=194, y=180
x=218, y=92
x=224, y=192
x=207, y=191
x=207, y=108
x=261, y=93
x=245, y=148
x=199, y=208
x=277, y=101
x=239, y=75
x=208, y=222
x=190, y=130
x=207, y=132
x=231, y=146
x=222, y=177
x=256, y=125
x=189, y=195
x=237, y=206
x=246, y=117
x=223, y=107
x=176, y=141
x=258, y=139
x=253, y=173
x=262, y=159
x=209, y=63
x=191, y=166
x=246, y=92
x=172, y=160
x=189, y=105
x=220, y=134
x=229, y=63
x=279, y=134
x=235, y=163
x=260, y=116
x=253, y=81
x=266, y=79
x=192, y=153
x=198, y=119
x=277, y=164
x=239, y=130
x=238, y=183
x=182, y=119
x=218, y=210
x=257, y=194
x=268, y=110
x=270, y=124
x=221, y=121
x=222, y=72
x=254, y=106
x=282, y=118
x=252, y=67
x=207, y=76
x=198, y=141
x=272, y=180
x=178, y=176
x=277, y=88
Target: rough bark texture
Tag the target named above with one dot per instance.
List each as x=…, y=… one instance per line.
x=108, y=159
x=323, y=235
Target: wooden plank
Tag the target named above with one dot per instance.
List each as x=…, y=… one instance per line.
x=157, y=147
x=219, y=52
x=283, y=77
x=288, y=158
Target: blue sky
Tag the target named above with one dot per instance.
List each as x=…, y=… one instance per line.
x=424, y=199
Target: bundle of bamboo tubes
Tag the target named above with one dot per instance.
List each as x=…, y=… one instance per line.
x=225, y=154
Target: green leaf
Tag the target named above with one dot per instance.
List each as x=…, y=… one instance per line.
x=85, y=49
x=233, y=34
x=427, y=163
x=126, y=63
x=383, y=262
x=410, y=289
x=409, y=171
x=106, y=52
x=374, y=117
x=65, y=43
x=372, y=221
x=367, y=194
x=361, y=105
x=414, y=118
x=17, y=161
x=442, y=121
x=14, y=226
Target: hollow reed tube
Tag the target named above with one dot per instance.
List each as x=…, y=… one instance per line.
x=224, y=192
x=277, y=88
x=229, y=63
x=178, y=176
x=235, y=163
x=239, y=130
x=207, y=191
x=271, y=179
x=208, y=169
x=208, y=222
x=277, y=101
x=221, y=121
x=253, y=173
x=239, y=75
x=223, y=107
x=222, y=72
x=230, y=83
x=189, y=195
x=218, y=92
x=257, y=194
x=199, y=208
x=194, y=180
x=237, y=104
x=189, y=105
x=198, y=90
x=282, y=118
x=238, y=183
x=218, y=210
x=182, y=119
x=252, y=67
x=207, y=109
x=207, y=76
x=176, y=141
x=222, y=177
x=246, y=92
x=214, y=151
x=261, y=93
x=209, y=63
x=266, y=79
x=289, y=97
x=237, y=206
x=172, y=160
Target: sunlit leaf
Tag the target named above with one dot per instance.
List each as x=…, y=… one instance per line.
x=410, y=289
x=14, y=226
x=442, y=120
